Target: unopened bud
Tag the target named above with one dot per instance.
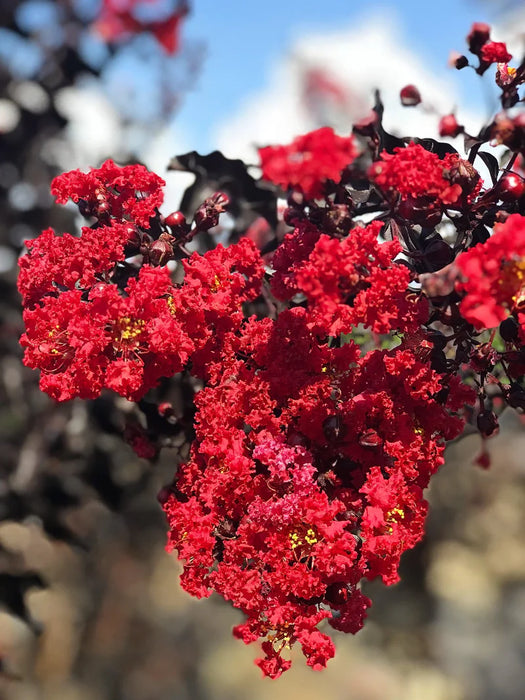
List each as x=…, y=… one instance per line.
x=478, y=36
x=161, y=250
x=516, y=397
x=370, y=438
x=134, y=241
x=448, y=126
x=207, y=215
x=509, y=329
x=511, y=187
x=410, y=96
x=164, y=495
x=457, y=60
x=487, y=423
x=175, y=219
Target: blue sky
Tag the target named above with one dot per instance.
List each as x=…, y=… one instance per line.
x=244, y=39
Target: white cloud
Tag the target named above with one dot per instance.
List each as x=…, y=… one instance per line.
x=361, y=58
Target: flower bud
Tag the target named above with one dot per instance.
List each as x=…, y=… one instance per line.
x=370, y=438
x=509, y=329
x=175, y=219
x=457, y=60
x=165, y=409
x=464, y=174
x=164, y=495
x=516, y=397
x=161, y=250
x=487, y=423
x=134, y=241
x=207, y=215
x=511, y=187
x=448, y=126
x=478, y=36
x=410, y=96
x=509, y=132
x=145, y=244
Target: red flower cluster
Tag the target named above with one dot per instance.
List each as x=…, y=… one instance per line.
x=309, y=161
x=329, y=371
x=417, y=174
x=495, y=52
x=131, y=192
x=118, y=19
x=487, y=51
x=494, y=277
x=84, y=332
x=308, y=469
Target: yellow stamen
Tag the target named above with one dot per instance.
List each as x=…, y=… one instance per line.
x=299, y=539
x=129, y=329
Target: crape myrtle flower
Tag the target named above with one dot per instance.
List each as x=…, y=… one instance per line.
x=125, y=343
x=302, y=452
x=495, y=52
x=355, y=281
x=118, y=21
x=494, y=277
x=417, y=174
x=54, y=263
x=130, y=192
x=330, y=373
x=309, y=161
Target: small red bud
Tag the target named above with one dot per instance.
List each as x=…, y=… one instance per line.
x=164, y=495
x=207, y=215
x=487, y=423
x=175, y=219
x=410, y=96
x=165, y=409
x=448, y=126
x=161, y=250
x=511, y=187
x=370, y=438
x=457, y=60
x=479, y=34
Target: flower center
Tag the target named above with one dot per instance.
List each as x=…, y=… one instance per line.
x=304, y=537
x=128, y=330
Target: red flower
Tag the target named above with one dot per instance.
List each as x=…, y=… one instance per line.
x=56, y=262
x=494, y=276
x=309, y=161
x=448, y=126
x=117, y=21
x=495, y=52
x=130, y=192
x=415, y=173
x=354, y=281
x=123, y=343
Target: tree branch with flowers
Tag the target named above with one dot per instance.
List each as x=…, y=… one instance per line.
x=331, y=348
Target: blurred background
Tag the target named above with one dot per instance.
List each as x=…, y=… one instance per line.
x=90, y=606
